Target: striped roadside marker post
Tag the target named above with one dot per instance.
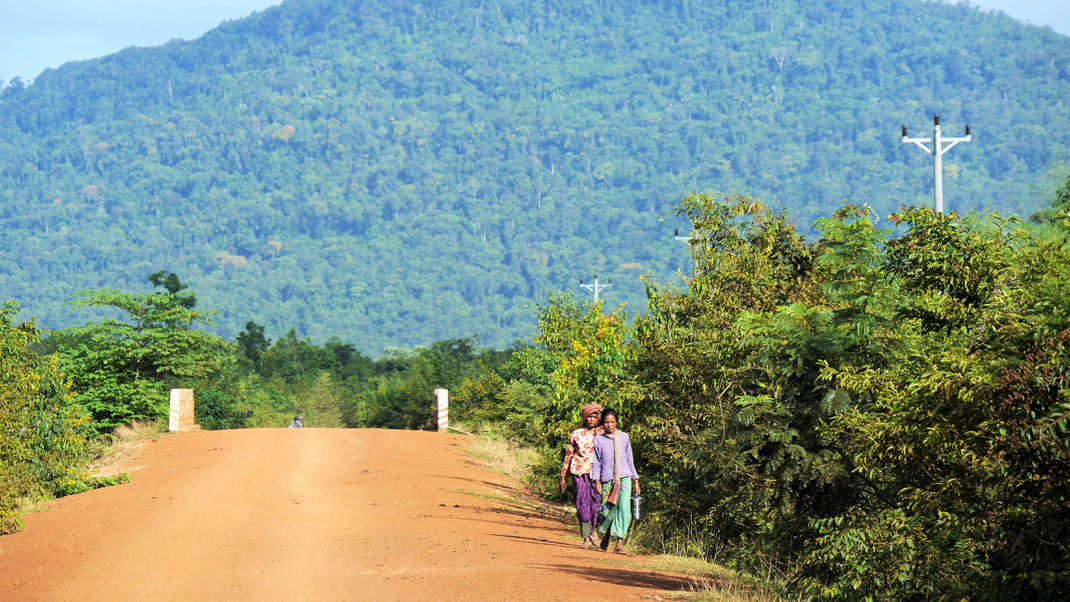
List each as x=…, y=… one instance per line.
x=180, y=416
x=442, y=405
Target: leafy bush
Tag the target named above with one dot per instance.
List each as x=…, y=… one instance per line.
x=859, y=417
x=42, y=430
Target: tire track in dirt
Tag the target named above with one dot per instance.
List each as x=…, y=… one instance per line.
x=308, y=514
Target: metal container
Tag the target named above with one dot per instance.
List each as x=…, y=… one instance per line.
x=637, y=507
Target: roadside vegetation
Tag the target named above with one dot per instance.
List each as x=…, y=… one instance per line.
x=876, y=413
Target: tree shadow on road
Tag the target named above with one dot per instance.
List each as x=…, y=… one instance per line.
x=525, y=518
x=636, y=577
x=518, y=511
x=522, y=498
x=478, y=520
x=517, y=491
x=539, y=540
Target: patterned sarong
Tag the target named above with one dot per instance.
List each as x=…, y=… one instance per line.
x=616, y=518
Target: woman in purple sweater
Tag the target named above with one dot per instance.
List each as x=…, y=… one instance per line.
x=615, y=476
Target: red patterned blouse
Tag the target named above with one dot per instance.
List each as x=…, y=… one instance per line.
x=579, y=459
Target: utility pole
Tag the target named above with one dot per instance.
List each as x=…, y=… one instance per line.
x=596, y=288
x=686, y=239
x=937, y=151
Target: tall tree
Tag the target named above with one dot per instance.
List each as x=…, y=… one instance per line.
x=121, y=369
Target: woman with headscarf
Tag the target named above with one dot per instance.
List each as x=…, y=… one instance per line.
x=615, y=476
x=579, y=459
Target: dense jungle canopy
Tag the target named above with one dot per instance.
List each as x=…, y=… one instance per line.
x=399, y=172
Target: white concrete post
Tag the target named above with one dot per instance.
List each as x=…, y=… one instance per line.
x=442, y=405
x=180, y=417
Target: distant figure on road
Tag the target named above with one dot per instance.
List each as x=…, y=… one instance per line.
x=296, y=424
x=579, y=460
x=614, y=473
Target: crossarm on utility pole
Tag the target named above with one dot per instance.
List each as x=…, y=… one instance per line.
x=953, y=142
x=940, y=146
x=596, y=288
x=920, y=142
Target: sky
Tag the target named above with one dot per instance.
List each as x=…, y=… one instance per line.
x=39, y=34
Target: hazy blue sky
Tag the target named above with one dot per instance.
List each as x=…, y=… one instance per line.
x=38, y=34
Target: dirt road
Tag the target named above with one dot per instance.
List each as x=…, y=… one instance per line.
x=308, y=514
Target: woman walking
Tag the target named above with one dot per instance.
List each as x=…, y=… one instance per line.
x=615, y=476
x=579, y=459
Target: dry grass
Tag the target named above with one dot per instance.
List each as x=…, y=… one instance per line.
x=502, y=456
x=709, y=581
x=685, y=540
x=684, y=552
x=31, y=504
x=121, y=446
x=138, y=430
x=514, y=463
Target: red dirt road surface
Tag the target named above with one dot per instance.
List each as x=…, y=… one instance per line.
x=309, y=514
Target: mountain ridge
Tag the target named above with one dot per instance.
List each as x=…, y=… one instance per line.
x=399, y=172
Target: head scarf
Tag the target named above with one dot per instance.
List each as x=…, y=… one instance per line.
x=591, y=408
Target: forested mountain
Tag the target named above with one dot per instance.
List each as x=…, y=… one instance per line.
x=395, y=172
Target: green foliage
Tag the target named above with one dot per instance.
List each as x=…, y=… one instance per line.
x=401, y=392
x=591, y=354
x=950, y=269
x=333, y=384
x=726, y=423
x=880, y=420
x=961, y=434
x=80, y=486
x=122, y=370
x=858, y=416
x=397, y=176
x=174, y=287
x=42, y=430
x=1062, y=197
x=253, y=344
x=258, y=384
x=534, y=395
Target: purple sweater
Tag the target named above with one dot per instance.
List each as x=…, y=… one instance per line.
x=603, y=458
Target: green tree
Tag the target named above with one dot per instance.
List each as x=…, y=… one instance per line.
x=881, y=419
x=253, y=344
x=962, y=435
x=122, y=369
x=174, y=287
x=400, y=395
